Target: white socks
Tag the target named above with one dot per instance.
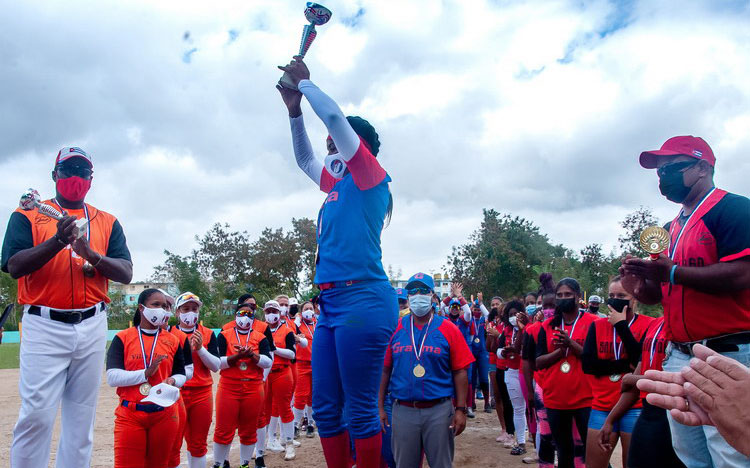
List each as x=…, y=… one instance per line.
x=196, y=462
x=221, y=453
x=260, y=445
x=298, y=414
x=287, y=431
x=246, y=452
x=274, y=426
x=308, y=412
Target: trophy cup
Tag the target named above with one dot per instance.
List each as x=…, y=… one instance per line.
x=654, y=240
x=31, y=200
x=317, y=15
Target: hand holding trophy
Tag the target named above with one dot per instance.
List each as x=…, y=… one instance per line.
x=317, y=15
x=31, y=200
x=654, y=240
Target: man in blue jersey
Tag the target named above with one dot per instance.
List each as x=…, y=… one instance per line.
x=425, y=366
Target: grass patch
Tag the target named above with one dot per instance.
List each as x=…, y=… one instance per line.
x=9, y=355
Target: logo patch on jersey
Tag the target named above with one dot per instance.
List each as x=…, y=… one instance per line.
x=332, y=197
x=706, y=238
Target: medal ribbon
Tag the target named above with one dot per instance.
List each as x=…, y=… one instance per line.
x=673, y=248
x=572, y=330
x=312, y=332
x=653, y=344
x=413, y=344
x=618, y=348
x=88, y=219
x=143, y=348
x=237, y=334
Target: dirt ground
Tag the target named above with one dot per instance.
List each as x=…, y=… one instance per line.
x=475, y=447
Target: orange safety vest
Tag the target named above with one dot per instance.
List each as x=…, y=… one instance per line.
x=167, y=344
x=60, y=283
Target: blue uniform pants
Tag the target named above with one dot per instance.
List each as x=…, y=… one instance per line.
x=355, y=325
x=480, y=370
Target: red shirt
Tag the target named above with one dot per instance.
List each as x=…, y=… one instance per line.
x=305, y=354
x=654, y=347
x=510, y=334
x=531, y=337
x=201, y=374
x=565, y=390
x=167, y=345
x=604, y=391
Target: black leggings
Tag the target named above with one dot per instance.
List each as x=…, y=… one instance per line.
x=505, y=398
x=651, y=442
x=561, y=426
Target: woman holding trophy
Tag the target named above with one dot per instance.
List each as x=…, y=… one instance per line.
x=359, y=309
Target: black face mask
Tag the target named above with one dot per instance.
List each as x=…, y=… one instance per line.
x=565, y=306
x=671, y=181
x=594, y=309
x=618, y=304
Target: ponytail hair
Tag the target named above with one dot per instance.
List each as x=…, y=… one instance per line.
x=546, y=284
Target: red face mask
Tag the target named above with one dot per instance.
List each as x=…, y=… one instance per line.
x=476, y=313
x=73, y=188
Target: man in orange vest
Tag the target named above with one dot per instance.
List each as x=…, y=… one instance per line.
x=62, y=285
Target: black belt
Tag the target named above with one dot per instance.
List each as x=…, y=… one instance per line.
x=71, y=317
x=721, y=344
x=421, y=404
x=139, y=407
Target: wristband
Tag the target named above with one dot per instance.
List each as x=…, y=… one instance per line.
x=671, y=274
x=98, y=261
x=461, y=408
x=59, y=240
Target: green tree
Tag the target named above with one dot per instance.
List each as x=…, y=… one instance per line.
x=9, y=295
x=633, y=224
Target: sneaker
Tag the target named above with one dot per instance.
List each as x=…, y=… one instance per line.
x=296, y=432
x=518, y=450
x=480, y=395
x=296, y=443
x=492, y=402
x=275, y=446
x=487, y=409
x=290, y=453
x=503, y=437
x=310, y=431
x=511, y=442
x=470, y=413
x=530, y=460
x=259, y=463
x=245, y=465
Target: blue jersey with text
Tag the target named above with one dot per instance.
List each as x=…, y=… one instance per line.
x=479, y=325
x=443, y=352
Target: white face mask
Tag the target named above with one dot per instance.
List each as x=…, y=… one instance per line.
x=513, y=321
x=420, y=305
x=284, y=311
x=243, y=323
x=335, y=165
x=308, y=315
x=156, y=316
x=273, y=319
x=189, y=319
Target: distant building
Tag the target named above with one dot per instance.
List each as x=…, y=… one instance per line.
x=442, y=284
x=131, y=291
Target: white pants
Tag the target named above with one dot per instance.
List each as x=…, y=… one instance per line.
x=59, y=363
x=513, y=382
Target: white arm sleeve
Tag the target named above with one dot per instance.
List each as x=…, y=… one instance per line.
x=303, y=151
x=467, y=312
x=345, y=138
x=124, y=378
x=285, y=353
x=485, y=312
x=179, y=380
x=209, y=360
x=303, y=342
x=189, y=369
x=224, y=363
x=265, y=362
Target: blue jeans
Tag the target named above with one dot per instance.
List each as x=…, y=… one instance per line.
x=703, y=446
x=480, y=372
x=624, y=424
x=355, y=325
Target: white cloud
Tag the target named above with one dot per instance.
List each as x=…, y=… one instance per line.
x=534, y=108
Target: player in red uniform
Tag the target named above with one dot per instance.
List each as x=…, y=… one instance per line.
x=510, y=350
x=567, y=392
x=303, y=392
x=612, y=349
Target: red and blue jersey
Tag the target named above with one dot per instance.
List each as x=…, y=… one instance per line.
x=351, y=220
x=479, y=325
x=443, y=352
x=466, y=328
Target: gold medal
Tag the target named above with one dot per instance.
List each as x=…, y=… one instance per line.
x=476, y=340
x=144, y=388
x=615, y=377
x=243, y=366
x=419, y=371
x=565, y=367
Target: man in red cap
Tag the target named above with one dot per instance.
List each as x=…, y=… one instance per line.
x=702, y=279
x=62, y=285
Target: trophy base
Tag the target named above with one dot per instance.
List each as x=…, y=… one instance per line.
x=286, y=81
x=82, y=227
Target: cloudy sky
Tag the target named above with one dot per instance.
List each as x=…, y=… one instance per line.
x=536, y=108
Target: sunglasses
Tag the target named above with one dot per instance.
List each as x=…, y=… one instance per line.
x=64, y=172
x=244, y=313
x=420, y=291
x=675, y=167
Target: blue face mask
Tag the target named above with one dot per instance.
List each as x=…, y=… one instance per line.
x=531, y=310
x=420, y=305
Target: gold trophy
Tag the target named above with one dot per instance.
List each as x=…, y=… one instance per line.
x=654, y=240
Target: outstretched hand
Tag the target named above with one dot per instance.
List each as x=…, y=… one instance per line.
x=297, y=70
x=292, y=99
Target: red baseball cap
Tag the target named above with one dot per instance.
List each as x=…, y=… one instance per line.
x=72, y=152
x=695, y=147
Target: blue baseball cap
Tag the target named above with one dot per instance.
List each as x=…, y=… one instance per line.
x=421, y=279
x=454, y=302
x=401, y=294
